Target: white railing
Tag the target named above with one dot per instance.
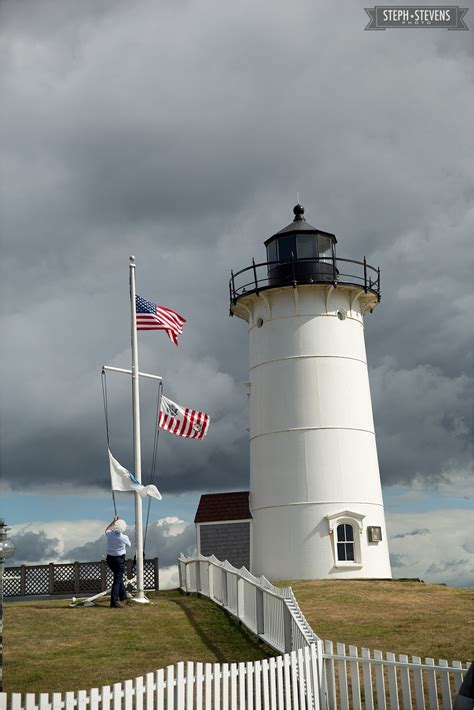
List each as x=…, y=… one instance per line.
x=271, y=613
x=349, y=681
x=289, y=681
x=369, y=679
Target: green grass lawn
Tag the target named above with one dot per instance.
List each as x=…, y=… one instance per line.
x=427, y=620
x=49, y=646
x=52, y=647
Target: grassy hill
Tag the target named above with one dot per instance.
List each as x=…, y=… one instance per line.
x=428, y=620
x=52, y=647
x=49, y=646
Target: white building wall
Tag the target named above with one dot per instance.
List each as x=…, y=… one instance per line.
x=312, y=441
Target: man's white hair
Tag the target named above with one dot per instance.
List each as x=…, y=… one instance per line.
x=120, y=526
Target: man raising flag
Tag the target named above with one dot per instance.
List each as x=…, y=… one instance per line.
x=151, y=316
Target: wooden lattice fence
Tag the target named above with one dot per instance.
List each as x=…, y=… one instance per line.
x=71, y=578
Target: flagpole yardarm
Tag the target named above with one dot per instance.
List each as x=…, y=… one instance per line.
x=129, y=372
x=140, y=596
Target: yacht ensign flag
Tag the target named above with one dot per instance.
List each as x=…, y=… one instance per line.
x=182, y=421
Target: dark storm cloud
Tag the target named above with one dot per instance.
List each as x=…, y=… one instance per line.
x=165, y=540
x=469, y=547
x=424, y=422
x=448, y=566
x=33, y=546
x=412, y=533
x=181, y=133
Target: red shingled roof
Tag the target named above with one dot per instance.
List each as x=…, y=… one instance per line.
x=217, y=507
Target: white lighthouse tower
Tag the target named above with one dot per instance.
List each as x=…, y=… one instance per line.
x=315, y=493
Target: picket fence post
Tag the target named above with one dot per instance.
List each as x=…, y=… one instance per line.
x=368, y=687
x=198, y=576
x=240, y=599
x=355, y=682
x=224, y=588
x=210, y=576
x=260, y=611
x=287, y=631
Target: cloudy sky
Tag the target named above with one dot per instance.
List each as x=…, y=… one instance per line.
x=181, y=132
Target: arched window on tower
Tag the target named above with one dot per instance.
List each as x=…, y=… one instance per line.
x=345, y=531
x=345, y=543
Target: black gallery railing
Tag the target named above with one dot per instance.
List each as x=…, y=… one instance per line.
x=272, y=274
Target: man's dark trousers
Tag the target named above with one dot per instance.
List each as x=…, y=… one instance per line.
x=117, y=565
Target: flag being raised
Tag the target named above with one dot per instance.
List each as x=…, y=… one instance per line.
x=123, y=480
x=151, y=316
x=182, y=421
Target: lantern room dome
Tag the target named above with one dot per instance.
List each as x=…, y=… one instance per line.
x=302, y=250
x=299, y=225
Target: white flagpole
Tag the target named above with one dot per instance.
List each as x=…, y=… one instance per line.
x=140, y=596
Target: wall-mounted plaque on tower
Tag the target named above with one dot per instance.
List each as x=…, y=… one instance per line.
x=374, y=533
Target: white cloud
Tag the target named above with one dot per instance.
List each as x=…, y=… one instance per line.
x=169, y=577
x=435, y=546
x=68, y=533
x=83, y=540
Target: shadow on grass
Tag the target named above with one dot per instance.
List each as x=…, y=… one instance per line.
x=221, y=656
x=205, y=637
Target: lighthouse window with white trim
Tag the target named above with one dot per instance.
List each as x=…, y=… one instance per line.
x=345, y=529
x=345, y=543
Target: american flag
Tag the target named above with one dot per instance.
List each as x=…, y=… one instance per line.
x=182, y=421
x=150, y=316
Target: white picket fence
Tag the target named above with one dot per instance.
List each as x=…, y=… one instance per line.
x=307, y=679
x=311, y=675
x=350, y=681
x=289, y=681
x=369, y=679
x=271, y=613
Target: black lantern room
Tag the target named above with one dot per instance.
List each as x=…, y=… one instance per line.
x=300, y=252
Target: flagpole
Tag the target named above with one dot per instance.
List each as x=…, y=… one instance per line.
x=140, y=596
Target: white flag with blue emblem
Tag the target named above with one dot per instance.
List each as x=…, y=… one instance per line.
x=123, y=480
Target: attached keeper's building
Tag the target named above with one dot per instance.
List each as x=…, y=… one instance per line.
x=223, y=527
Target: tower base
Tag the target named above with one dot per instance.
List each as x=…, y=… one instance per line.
x=300, y=541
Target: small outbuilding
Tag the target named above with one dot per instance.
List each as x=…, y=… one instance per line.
x=224, y=527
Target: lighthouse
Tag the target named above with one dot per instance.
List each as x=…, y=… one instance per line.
x=315, y=492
